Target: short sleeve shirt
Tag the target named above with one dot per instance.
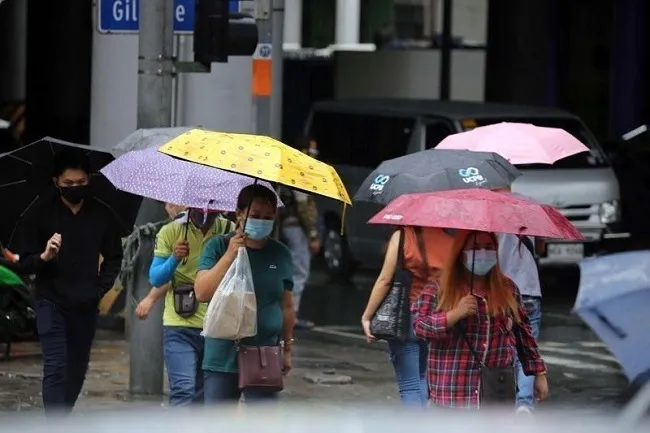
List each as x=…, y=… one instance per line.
x=272, y=270
x=186, y=270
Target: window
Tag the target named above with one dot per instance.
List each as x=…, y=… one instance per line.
x=360, y=139
x=435, y=133
x=594, y=158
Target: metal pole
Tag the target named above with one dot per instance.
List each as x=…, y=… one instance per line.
x=267, y=67
x=155, y=69
x=445, y=50
x=277, y=67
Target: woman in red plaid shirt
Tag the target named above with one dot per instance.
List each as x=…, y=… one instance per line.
x=492, y=317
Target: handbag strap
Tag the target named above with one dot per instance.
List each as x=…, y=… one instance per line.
x=463, y=334
x=400, y=250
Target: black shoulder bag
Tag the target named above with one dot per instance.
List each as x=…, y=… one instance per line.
x=392, y=320
x=498, y=385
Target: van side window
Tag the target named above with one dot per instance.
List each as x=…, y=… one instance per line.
x=435, y=133
x=360, y=139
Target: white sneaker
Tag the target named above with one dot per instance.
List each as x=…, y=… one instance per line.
x=524, y=411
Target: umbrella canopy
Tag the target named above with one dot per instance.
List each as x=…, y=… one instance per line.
x=26, y=179
x=436, y=170
x=480, y=210
x=157, y=176
x=519, y=143
x=613, y=299
x=259, y=157
x=148, y=137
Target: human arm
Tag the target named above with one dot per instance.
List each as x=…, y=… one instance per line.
x=162, y=270
x=216, y=259
x=111, y=251
x=531, y=361
x=288, y=312
x=383, y=283
x=32, y=254
x=144, y=307
x=429, y=322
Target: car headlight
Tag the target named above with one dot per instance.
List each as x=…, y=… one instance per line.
x=609, y=212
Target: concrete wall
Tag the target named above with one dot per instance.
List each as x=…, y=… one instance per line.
x=216, y=100
x=408, y=74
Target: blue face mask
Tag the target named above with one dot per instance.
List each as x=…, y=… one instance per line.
x=257, y=229
x=484, y=261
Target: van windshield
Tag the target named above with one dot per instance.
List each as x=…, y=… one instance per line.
x=594, y=158
x=363, y=140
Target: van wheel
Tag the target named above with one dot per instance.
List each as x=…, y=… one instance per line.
x=337, y=255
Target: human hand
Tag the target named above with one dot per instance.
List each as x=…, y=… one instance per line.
x=181, y=250
x=286, y=362
x=366, y=330
x=314, y=246
x=52, y=247
x=467, y=306
x=236, y=242
x=144, y=307
x=541, y=387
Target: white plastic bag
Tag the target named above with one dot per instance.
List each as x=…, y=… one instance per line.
x=232, y=312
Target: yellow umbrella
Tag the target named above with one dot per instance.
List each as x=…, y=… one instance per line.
x=259, y=157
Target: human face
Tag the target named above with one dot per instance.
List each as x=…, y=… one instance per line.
x=480, y=255
x=201, y=219
x=312, y=150
x=73, y=185
x=71, y=177
x=261, y=216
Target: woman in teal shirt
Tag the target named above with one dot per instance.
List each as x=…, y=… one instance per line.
x=271, y=266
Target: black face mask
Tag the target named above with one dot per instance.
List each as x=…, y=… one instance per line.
x=201, y=220
x=74, y=194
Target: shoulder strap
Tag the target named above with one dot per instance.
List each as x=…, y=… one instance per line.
x=527, y=243
x=400, y=250
x=461, y=330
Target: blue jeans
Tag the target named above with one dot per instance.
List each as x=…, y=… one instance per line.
x=409, y=361
x=183, y=358
x=66, y=338
x=298, y=244
x=224, y=388
x=526, y=392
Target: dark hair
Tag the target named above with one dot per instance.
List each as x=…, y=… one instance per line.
x=70, y=160
x=256, y=192
x=302, y=142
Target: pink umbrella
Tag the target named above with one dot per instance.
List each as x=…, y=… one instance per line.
x=519, y=143
x=477, y=209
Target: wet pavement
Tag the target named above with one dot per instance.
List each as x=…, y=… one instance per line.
x=333, y=366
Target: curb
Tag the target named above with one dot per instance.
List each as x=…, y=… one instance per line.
x=331, y=335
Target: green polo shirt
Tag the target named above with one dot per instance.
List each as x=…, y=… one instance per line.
x=272, y=270
x=186, y=270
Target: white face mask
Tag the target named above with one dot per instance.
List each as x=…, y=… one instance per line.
x=483, y=261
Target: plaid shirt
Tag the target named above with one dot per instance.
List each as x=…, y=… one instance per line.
x=454, y=374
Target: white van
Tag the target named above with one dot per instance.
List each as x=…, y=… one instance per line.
x=356, y=135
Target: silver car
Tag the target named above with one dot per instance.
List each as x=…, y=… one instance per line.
x=356, y=135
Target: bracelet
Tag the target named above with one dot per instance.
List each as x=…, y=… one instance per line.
x=286, y=345
x=543, y=373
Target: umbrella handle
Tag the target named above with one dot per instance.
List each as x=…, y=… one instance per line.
x=605, y=321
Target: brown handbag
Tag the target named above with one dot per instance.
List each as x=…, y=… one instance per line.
x=260, y=367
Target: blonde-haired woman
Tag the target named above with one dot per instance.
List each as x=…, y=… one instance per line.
x=474, y=311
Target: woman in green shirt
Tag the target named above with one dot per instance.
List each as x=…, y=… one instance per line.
x=272, y=271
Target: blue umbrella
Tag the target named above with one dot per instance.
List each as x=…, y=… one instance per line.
x=614, y=300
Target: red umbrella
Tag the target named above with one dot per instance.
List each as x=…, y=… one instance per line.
x=477, y=209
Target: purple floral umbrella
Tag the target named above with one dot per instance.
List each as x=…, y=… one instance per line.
x=152, y=174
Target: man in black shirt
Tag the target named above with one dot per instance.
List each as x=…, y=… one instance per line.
x=72, y=245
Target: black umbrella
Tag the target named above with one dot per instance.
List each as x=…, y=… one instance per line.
x=26, y=181
x=436, y=170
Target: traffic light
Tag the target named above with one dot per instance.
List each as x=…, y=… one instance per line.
x=219, y=33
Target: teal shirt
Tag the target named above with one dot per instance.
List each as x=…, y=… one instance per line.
x=272, y=270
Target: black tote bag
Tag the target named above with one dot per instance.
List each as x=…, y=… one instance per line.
x=392, y=320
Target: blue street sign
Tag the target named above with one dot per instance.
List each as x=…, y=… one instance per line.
x=121, y=16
